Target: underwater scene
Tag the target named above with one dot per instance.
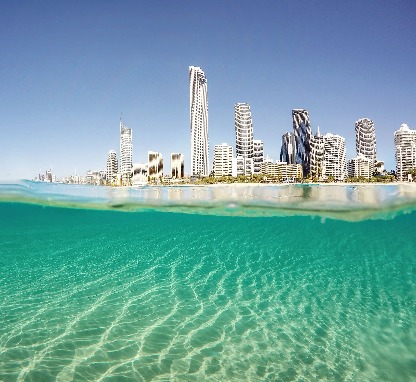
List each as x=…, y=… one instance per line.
x=237, y=283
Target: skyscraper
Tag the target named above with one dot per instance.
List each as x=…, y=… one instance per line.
x=405, y=151
x=288, y=150
x=223, y=160
x=139, y=174
x=317, y=154
x=243, y=130
x=365, y=141
x=199, y=121
x=155, y=165
x=112, y=167
x=126, y=153
x=334, y=163
x=177, y=165
x=302, y=131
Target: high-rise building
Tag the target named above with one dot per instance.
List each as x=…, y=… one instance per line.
x=155, y=165
x=223, y=160
x=288, y=150
x=112, y=167
x=177, y=165
x=139, y=174
x=258, y=155
x=243, y=130
x=302, y=131
x=365, y=141
x=405, y=151
x=126, y=154
x=334, y=163
x=199, y=121
x=317, y=154
x=359, y=167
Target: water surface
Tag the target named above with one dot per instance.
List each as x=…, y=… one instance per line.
x=104, y=295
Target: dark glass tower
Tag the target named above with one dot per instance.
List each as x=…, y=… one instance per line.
x=288, y=150
x=302, y=131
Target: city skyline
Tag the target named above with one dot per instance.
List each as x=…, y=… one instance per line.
x=69, y=70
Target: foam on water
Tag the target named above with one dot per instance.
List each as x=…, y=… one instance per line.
x=98, y=295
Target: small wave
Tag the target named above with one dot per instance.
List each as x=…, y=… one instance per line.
x=338, y=201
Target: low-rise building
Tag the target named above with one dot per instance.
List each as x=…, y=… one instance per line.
x=282, y=170
x=360, y=166
x=242, y=166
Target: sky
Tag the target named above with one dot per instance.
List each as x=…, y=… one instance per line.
x=70, y=69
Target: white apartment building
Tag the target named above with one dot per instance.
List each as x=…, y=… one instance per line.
x=317, y=150
x=359, y=167
x=365, y=141
x=177, y=166
x=126, y=154
x=95, y=177
x=112, y=168
x=334, y=163
x=243, y=130
x=242, y=166
x=405, y=151
x=154, y=165
x=258, y=155
x=223, y=160
x=199, y=121
x=139, y=174
x=282, y=170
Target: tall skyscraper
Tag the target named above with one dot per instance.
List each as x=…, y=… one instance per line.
x=288, y=150
x=334, y=163
x=126, y=153
x=155, y=165
x=405, y=151
x=112, y=167
x=365, y=141
x=258, y=155
x=223, y=160
x=243, y=130
x=199, y=121
x=177, y=166
x=317, y=154
x=302, y=131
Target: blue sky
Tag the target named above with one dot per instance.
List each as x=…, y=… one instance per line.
x=68, y=69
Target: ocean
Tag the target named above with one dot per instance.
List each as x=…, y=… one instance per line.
x=304, y=286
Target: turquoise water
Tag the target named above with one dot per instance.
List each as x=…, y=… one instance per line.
x=102, y=295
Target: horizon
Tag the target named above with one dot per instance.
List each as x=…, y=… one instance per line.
x=68, y=72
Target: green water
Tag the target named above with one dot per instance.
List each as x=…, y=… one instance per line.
x=149, y=296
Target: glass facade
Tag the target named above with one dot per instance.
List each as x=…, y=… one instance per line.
x=302, y=131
